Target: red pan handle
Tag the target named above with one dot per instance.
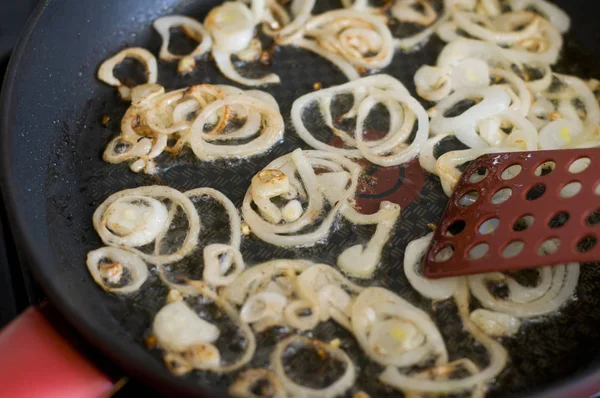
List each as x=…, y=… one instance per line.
x=36, y=361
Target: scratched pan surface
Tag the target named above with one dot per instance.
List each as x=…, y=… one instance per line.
x=53, y=179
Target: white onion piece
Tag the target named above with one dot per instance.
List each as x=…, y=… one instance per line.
x=258, y=278
x=218, y=271
x=564, y=283
x=404, y=11
x=433, y=83
x=551, y=12
x=208, y=293
x=271, y=131
x=376, y=304
x=524, y=95
x=498, y=358
x=469, y=73
x=248, y=380
x=427, y=159
x=106, y=71
x=235, y=222
x=560, y=133
x=301, y=13
x=178, y=200
x=368, y=92
x=135, y=220
x=435, y=289
x=346, y=37
x=291, y=234
x=231, y=26
x=359, y=261
x=495, y=100
x=120, y=260
x=194, y=29
x=178, y=328
x=337, y=388
x=472, y=24
x=266, y=308
x=495, y=324
x=223, y=60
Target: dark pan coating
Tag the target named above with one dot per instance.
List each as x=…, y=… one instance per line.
x=54, y=178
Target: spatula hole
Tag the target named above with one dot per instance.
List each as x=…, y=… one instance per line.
x=468, y=199
x=545, y=168
x=586, y=243
x=501, y=196
x=478, y=175
x=489, y=226
x=478, y=251
x=523, y=223
x=513, y=249
x=511, y=172
x=570, y=190
x=536, y=192
x=455, y=228
x=593, y=218
x=559, y=220
x=549, y=246
x=445, y=253
x=597, y=190
x=580, y=165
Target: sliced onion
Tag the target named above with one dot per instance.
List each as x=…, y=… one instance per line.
x=102, y=215
x=119, y=260
x=551, y=12
x=376, y=304
x=292, y=233
x=436, y=289
x=194, y=29
x=218, y=270
x=271, y=131
x=106, y=71
x=495, y=324
x=264, y=309
x=359, y=261
x=562, y=287
x=337, y=388
x=178, y=328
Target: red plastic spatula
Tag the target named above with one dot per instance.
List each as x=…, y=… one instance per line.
x=520, y=210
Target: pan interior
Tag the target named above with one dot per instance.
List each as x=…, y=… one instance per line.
x=58, y=178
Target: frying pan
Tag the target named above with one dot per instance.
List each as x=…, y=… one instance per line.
x=53, y=177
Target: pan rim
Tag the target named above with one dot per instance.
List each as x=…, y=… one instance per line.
x=582, y=383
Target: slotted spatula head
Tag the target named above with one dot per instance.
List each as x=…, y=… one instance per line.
x=520, y=210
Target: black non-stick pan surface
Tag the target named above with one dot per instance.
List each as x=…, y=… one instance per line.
x=54, y=177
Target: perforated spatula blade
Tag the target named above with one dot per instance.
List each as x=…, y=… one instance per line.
x=520, y=210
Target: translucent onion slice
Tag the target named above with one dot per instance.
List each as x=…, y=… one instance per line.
x=562, y=287
x=404, y=11
x=264, y=307
x=472, y=23
x=248, y=380
x=107, y=265
x=301, y=13
x=495, y=324
x=304, y=164
x=495, y=100
x=178, y=328
x=360, y=261
x=375, y=305
x=250, y=347
x=106, y=70
x=269, y=134
x=337, y=388
x=551, y=12
x=498, y=358
x=258, y=278
x=435, y=289
x=102, y=214
x=368, y=92
x=194, y=29
x=135, y=220
x=349, y=39
x=231, y=26
x=222, y=264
